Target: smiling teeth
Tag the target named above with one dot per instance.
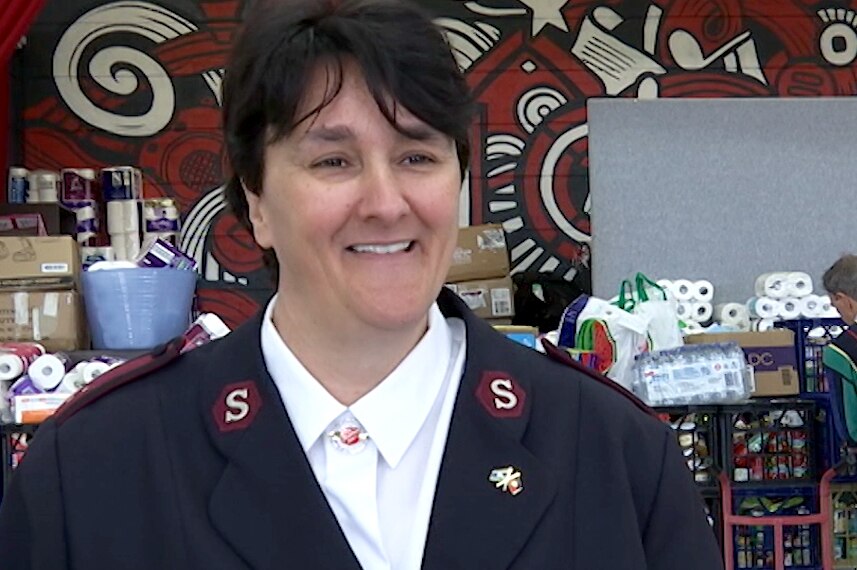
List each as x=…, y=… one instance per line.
x=390, y=248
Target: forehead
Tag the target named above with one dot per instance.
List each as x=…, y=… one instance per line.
x=337, y=94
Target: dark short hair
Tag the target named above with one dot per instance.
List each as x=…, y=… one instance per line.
x=841, y=277
x=401, y=53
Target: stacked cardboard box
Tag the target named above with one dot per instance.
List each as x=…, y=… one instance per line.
x=480, y=272
x=39, y=299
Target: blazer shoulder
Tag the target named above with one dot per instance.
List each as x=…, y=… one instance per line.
x=139, y=370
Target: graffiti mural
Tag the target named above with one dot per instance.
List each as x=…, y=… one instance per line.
x=136, y=82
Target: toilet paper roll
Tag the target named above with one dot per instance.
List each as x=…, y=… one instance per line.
x=682, y=289
x=48, y=370
x=764, y=307
x=684, y=310
x=742, y=326
x=12, y=367
x=665, y=283
x=810, y=306
x=772, y=285
x=692, y=327
x=762, y=325
x=94, y=369
x=701, y=312
x=789, y=309
x=731, y=313
x=71, y=383
x=798, y=284
x=703, y=291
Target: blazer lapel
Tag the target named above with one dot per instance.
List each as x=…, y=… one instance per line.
x=267, y=504
x=475, y=523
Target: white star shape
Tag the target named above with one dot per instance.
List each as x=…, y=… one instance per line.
x=546, y=13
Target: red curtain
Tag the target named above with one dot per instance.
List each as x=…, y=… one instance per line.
x=15, y=19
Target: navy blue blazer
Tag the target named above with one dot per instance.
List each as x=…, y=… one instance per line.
x=190, y=462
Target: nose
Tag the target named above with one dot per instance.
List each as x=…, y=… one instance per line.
x=383, y=194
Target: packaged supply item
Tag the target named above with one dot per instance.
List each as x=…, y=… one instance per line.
x=50, y=262
x=156, y=252
x=54, y=319
x=703, y=374
x=480, y=253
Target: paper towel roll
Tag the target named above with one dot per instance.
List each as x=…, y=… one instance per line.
x=701, y=312
x=682, y=289
x=789, y=308
x=48, y=370
x=798, y=284
x=703, y=291
x=826, y=309
x=132, y=245
x=122, y=217
x=810, y=306
x=12, y=366
x=764, y=307
x=119, y=244
x=684, y=310
x=731, y=313
x=772, y=285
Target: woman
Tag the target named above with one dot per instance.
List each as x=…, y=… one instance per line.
x=366, y=419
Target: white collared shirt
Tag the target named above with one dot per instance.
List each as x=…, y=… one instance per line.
x=382, y=495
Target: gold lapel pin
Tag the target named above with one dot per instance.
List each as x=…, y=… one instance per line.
x=507, y=479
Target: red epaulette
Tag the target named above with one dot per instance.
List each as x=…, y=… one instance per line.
x=561, y=356
x=120, y=376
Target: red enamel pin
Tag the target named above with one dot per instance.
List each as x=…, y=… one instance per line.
x=501, y=395
x=237, y=406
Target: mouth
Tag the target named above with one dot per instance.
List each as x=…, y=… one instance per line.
x=382, y=249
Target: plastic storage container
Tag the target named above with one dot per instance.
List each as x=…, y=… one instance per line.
x=137, y=308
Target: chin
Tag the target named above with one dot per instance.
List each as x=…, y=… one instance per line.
x=399, y=315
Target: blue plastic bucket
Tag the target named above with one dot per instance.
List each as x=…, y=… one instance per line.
x=137, y=308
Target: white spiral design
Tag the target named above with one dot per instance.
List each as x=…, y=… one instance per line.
x=536, y=104
x=144, y=19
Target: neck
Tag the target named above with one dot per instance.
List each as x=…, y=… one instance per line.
x=347, y=362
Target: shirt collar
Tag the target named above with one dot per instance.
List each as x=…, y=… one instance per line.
x=392, y=413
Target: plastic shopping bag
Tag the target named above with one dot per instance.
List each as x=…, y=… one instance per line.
x=624, y=330
x=659, y=309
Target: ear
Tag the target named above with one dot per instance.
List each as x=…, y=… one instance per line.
x=258, y=218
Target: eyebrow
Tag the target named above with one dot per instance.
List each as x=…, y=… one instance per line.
x=418, y=132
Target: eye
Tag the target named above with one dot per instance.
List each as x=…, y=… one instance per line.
x=416, y=159
x=333, y=162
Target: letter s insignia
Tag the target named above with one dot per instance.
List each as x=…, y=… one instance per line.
x=501, y=395
x=504, y=397
x=237, y=406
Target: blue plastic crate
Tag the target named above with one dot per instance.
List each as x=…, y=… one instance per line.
x=754, y=545
x=811, y=336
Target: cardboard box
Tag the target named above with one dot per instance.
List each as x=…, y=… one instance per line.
x=771, y=354
x=51, y=262
x=480, y=253
x=527, y=336
x=488, y=298
x=54, y=319
x=53, y=219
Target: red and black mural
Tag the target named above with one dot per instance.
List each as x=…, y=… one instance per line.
x=138, y=82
